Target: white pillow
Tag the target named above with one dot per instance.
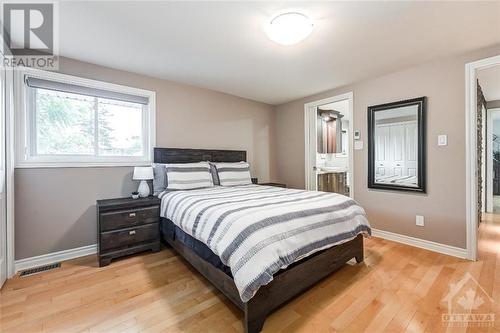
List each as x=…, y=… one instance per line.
x=232, y=174
x=187, y=176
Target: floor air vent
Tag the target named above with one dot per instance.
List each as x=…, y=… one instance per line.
x=40, y=269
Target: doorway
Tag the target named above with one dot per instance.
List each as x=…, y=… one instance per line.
x=329, y=145
x=480, y=76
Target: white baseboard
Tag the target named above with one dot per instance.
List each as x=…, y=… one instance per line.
x=51, y=258
x=421, y=243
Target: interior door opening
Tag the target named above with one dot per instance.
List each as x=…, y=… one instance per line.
x=488, y=140
x=487, y=166
x=329, y=131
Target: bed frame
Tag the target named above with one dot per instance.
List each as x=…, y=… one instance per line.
x=288, y=282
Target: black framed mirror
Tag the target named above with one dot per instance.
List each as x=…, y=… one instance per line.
x=396, y=146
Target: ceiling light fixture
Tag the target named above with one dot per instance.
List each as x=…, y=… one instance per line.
x=289, y=28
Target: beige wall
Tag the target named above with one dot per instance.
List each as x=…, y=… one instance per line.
x=55, y=207
x=443, y=82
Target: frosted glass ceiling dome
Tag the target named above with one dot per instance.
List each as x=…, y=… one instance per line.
x=289, y=28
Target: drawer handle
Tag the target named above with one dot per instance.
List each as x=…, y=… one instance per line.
x=131, y=232
x=131, y=215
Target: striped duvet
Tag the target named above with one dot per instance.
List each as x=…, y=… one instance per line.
x=258, y=230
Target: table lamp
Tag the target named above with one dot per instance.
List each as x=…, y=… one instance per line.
x=143, y=174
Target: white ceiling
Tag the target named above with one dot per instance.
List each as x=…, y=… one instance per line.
x=489, y=79
x=223, y=46
x=404, y=111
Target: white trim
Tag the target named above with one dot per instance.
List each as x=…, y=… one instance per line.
x=54, y=257
x=9, y=170
x=421, y=243
x=310, y=120
x=470, y=150
x=23, y=141
x=34, y=165
x=308, y=124
x=3, y=173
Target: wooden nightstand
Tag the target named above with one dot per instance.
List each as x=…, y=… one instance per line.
x=126, y=226
x=273, y=184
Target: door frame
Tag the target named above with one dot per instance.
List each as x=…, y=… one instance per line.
x=310, y=126
x=8, y=122
x=471, y=69
x=488, y=162
x=9, y=170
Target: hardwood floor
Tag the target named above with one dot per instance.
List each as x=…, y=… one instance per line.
x=398, y=288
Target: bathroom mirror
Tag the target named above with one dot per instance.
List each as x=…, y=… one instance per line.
x=396, y=146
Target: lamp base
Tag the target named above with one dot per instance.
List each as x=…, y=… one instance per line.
x=143, y=189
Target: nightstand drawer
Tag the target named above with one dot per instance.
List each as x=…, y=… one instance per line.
x=129, y=237
x=127, y=226
x=129, y=218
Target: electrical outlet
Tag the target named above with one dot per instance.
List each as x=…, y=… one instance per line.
x=419, y=220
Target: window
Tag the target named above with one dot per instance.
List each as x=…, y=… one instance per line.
x=68, y=121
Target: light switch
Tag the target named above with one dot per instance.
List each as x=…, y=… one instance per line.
x=442, y=140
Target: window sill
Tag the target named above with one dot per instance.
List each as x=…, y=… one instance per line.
x=43, y=165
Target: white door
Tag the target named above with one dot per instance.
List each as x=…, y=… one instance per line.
x=396, y=153
x=3, y=201
x=411, y=149
x=397, y=144
x=382, y=158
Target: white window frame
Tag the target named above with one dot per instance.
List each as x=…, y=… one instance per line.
x=25, y=140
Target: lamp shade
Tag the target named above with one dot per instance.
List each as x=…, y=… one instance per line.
x=143, y=173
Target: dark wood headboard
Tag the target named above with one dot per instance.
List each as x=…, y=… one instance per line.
x=182, y=155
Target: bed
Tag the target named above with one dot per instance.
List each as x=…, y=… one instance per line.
x=196, y=224
x=404, y=180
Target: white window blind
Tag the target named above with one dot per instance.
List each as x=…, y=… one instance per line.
x=34, y=82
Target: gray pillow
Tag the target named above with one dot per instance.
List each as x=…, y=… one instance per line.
x=159, y=178
x=215, y=176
